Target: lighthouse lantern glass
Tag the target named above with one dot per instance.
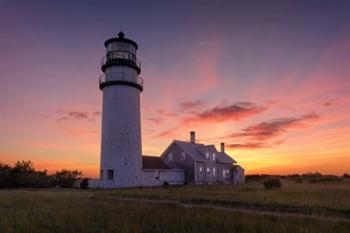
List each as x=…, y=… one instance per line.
x=121, y=47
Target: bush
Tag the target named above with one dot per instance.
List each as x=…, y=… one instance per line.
x=23, y=175
x=273, y=183
x=165, y=184
x=5, y=176
x=65, y=178
x=84, y=184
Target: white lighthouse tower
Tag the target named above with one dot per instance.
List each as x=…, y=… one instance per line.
x=121, y=122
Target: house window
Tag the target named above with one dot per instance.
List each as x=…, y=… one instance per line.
x=207, y=155
x=208, y=171
x=213, y=156
x=214, y=171
x=201, y=171
x=101, y=174
x=110, y=175
x=170, y=156
x=225, y=173
x=183, y=156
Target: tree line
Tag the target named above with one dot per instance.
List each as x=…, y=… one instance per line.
x=23, y=175
x=310, y=177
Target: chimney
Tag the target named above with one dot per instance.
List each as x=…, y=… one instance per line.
x=193, y=137
x=222, y=147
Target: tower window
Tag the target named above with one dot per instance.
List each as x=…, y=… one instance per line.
x=110, y=174
x=183, y=156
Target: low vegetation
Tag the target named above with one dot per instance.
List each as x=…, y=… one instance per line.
x=24, y=175
x=310, y=177
x=273, y=183
x=321, y=199
x=93, y=211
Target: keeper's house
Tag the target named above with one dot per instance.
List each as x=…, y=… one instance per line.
x=190, y=162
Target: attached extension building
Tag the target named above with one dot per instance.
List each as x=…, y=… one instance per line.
x=122, y=164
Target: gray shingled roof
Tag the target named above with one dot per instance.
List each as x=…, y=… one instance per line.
x=237, y=167
x=197, y=151
x=153, y=162
x=190, y=149
x=225, y=158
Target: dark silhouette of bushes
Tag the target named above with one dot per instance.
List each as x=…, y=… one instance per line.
x=273, y=183
x=24, y=175
x=84, y=184
x=317, y=177
x=310, y=177
x=166, y=184
x=65, y=178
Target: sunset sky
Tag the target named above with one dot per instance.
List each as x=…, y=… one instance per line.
x=271, y=79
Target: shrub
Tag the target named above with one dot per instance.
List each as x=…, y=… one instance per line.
x=84, y=184
x=24, y=175
x=299, y=180
x=65, y=178
x=273, y=183
x=165, y=184
x=5, y=176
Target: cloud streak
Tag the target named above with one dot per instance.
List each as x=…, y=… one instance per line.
x=218, y=114
x=258, y=136
x=191, y=106
x=78, y=115
x=273, y=128
x=155, y=120
x=232, y=112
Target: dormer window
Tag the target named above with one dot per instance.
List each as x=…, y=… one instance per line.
x=170, y=156
x=214, y=156
x=183, y=156
x=207, y=155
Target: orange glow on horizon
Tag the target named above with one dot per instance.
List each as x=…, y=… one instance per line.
x=276, y=92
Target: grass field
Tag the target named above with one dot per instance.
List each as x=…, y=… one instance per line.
x=64, y=210
x=334, y=195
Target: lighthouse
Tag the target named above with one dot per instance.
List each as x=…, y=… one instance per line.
x=121, y=150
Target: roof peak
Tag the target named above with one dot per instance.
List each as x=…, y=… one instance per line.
x=198, y=144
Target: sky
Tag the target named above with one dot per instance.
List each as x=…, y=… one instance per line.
x=271, y=79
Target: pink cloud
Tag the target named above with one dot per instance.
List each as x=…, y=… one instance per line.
x=258, y=135
x=191, y=106
x=221, y=113
x=231, y=112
